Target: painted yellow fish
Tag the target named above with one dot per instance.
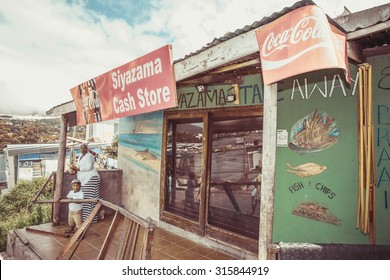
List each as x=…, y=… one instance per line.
x=306, y=169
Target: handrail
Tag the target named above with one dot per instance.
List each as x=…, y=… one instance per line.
x=145, y=223
x=124, y=212
x=67, y=200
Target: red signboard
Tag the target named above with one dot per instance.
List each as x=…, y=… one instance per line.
x=143, y=85
x=299, y=42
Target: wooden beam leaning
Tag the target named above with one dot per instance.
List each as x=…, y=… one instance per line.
x=69, y=248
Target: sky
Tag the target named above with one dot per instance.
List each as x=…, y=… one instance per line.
x=50, y=46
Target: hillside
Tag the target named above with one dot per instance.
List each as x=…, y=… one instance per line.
x=30, y=130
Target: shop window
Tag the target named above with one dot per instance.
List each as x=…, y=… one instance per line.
x=235, y=168
x=183, y=167
x=211, y=162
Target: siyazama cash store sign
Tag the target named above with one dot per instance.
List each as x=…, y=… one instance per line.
x=143, y=85
x=299, y=42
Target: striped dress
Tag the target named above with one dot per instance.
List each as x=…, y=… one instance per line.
x=90, y=183
x=91, y=190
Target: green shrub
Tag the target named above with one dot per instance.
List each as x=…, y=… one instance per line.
x=18, y=211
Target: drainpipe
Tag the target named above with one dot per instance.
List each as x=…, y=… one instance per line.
x=60, y=169
x=268, y=169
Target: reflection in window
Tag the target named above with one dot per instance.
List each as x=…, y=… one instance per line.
x=235, y=174
x=183, y=167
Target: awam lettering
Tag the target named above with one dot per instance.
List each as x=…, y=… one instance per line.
x=249, y=95
x=305, y=90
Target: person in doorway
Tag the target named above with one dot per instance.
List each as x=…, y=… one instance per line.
x=192, y=184
x=255, y=194
x=75, y=209
x=89, y=178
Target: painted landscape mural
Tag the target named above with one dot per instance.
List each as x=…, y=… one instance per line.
x=140, y=139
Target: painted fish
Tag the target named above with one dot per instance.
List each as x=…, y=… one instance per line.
x=146, y=155
x=306, y=169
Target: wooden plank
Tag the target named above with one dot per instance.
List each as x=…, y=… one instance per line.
x=147, y=242
x=268, y=169
x=62, y=109
x=48, y=232
x=60, y=169
x=128, y=240
x=66, y=200
x=355, y=52
x=110, y=235
x=131, y=241
x=76, y=238
x=376, y=51
x=123, y=239
x=217, y=56
x=27, y=243
x=368, y=31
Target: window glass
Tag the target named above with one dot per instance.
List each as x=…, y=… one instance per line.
x=183, y=156
x=235, y=174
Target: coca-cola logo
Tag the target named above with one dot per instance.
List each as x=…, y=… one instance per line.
x=307, y=28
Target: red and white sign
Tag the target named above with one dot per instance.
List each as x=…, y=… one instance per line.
x=299, y=42
x=143, y=85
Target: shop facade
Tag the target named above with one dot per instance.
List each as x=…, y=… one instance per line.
x=194, y=168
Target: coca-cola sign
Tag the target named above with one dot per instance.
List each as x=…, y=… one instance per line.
x=298, y=42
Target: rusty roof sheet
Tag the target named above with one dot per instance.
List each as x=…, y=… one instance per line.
x=365, y=18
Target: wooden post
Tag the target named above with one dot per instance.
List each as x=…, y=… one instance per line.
x=268, y=168
x=60, y=169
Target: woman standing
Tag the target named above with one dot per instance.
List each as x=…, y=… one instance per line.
x=89, y=178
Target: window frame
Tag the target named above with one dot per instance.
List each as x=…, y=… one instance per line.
x=201, y=227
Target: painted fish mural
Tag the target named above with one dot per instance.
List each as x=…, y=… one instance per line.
x=146, y=155
x=313, y=133
x=306, y=169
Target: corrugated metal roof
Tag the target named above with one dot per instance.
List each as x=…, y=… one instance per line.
x=346, y=23
x=369, y=28
x=365, y=18
x=247, y=28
